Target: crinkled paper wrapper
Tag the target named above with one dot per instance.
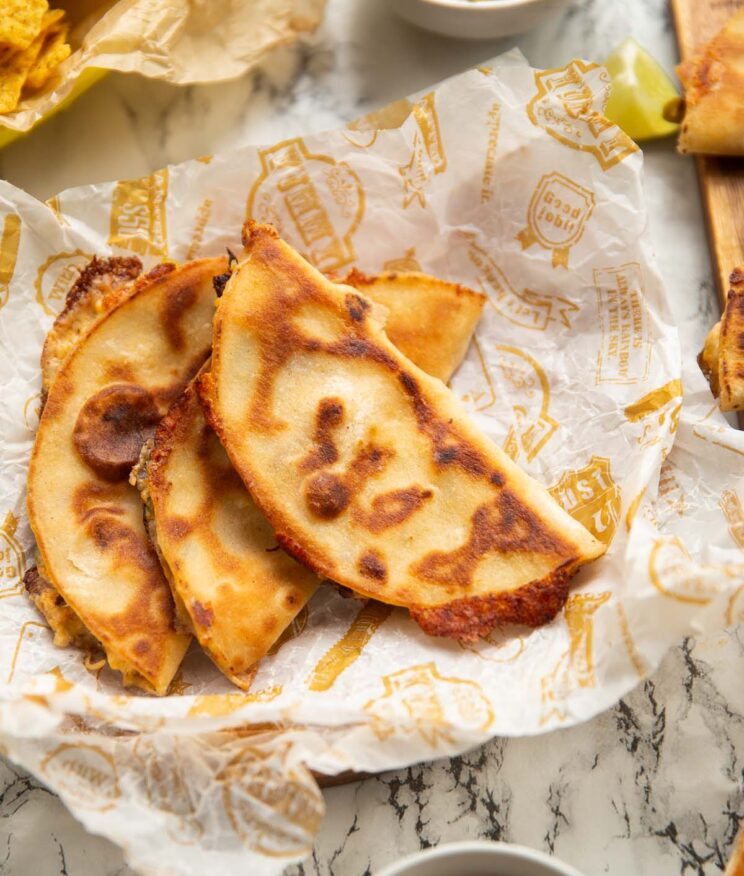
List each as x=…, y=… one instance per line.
x=509, y=180
x=178, y=41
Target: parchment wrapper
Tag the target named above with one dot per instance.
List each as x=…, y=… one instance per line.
x=178, y=41
x=507, y=179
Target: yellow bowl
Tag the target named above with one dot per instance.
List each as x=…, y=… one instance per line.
x=87, y=78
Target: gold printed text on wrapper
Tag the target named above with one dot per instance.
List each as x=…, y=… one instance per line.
x=55, y=278
x=420, y=700
x=428, y=157
x=564, y=106
x=496, y=647
x=558, y=211
x=672, y=571
x=575, y=667
x=293, y=631
x=658, y=411
x=348, y=649
x=527, y=309
x=138, y=218
x=625, y=352
x=216, y=705
x=489, y=168
x=12, y=558
x=671, y=495
x=407, y=262
x=32, y=412
x=168, y=789
x=591, y=496
x=9, y=243
x=734, y=513
x=83, y=774
x=268, y=805
x=202, y=220
x=314, y=201
x=533, y=425
x=28, y=639
x=54, y=206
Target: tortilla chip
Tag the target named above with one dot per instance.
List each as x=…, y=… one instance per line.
x=53, y=52
x=13, y=73
x=20, y=22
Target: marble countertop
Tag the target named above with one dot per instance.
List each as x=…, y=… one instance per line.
x=653, y=786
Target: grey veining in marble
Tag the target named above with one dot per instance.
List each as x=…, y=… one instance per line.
x=653, y=787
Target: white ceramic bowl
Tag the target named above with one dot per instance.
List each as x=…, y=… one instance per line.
x=478, y=859
x=480, y=19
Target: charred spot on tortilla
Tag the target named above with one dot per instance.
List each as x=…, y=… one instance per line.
x=112, y=426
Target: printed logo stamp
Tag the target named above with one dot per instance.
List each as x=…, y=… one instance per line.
x=315, y=202
x=558, y=211
x=56, y=277
x=138, y=217
x=269, y=806
x=565, y=107
x=591, y=496
x=420, y=700
x=85, y=773
x=533, y=426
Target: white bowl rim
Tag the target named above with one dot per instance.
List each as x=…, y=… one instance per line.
x=497, y=849
x=481, y=4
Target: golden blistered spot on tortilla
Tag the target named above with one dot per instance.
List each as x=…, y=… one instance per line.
x=506, y=526
x=112, y=426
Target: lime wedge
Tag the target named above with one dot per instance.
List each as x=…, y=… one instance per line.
x=641, y=89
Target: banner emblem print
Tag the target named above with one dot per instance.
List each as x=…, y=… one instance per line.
x=428, y=157
x=564, y=107
x=591, y=496
x=315, y=202
x=527, y=308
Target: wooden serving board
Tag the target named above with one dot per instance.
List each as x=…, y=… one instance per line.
x=721, y=179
